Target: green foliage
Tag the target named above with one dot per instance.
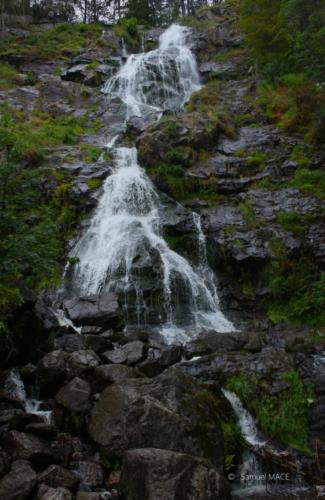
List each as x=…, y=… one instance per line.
x=283, y=416
x=298, y=291
x=256, y=159
x=128, y=30
x=90, y=153
x=8, y=76
x=94, y=183
x=31, y=78
x=59, y=42
x=35, y=222
x=232, y=439
x=248, y=213
x=310, y=181
x=206, y=98
x=294, y=222
x=287, y=39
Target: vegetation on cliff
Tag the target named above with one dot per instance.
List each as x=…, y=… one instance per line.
x=287, y=40
x=282, y=416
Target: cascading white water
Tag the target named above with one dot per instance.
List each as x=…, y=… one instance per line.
x=246, y=422
x=14, y=386
x=123, y=249
x=162, y=79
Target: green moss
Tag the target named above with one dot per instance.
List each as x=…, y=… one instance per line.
x=93, y=65
x=8, y=76
x=294, y=222
x=311, y=182
x=94, y=183
x=59, y=42
x=248, y=213
x=283, y=416
x=256, y=159
x=302, y=156
x=90, y=153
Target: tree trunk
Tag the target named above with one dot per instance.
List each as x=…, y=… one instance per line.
x=85, y=11
x=2, y=14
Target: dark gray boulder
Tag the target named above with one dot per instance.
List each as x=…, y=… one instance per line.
x=75, y=395
x=45, y=492
x=23, y=446
x=130, y=353
x=171, y=411
x=155, y=474
x=94, y=310
x=90, y=473
x=57, y=476
x=19, y=482
x=82, y=361
x=53, y=368
x=104, y=375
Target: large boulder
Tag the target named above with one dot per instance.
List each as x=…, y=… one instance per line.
x=130, y=353
x=154, y=474
x=57, y=476
x=75, y=395
x=19, y=482
x=45, y=492
x=83, y=361
x=23, y=446
x=53, y=368
x=90, y=473
x=102, y=310
x=105, y=375
x=171, y=411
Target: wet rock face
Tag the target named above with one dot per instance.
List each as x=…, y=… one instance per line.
x=155, y=474
x=102, y=310
x=146, y=413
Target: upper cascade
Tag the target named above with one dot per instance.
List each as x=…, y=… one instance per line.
x=162, y=79
x=123, y=249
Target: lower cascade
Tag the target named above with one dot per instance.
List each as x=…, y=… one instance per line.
x=123, y=249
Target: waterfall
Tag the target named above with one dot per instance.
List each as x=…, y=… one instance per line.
x=123, y=249
x=162, y=79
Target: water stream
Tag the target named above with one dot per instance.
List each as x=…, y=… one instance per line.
x=257, y=478
x=123, y=249
x=15, y=387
